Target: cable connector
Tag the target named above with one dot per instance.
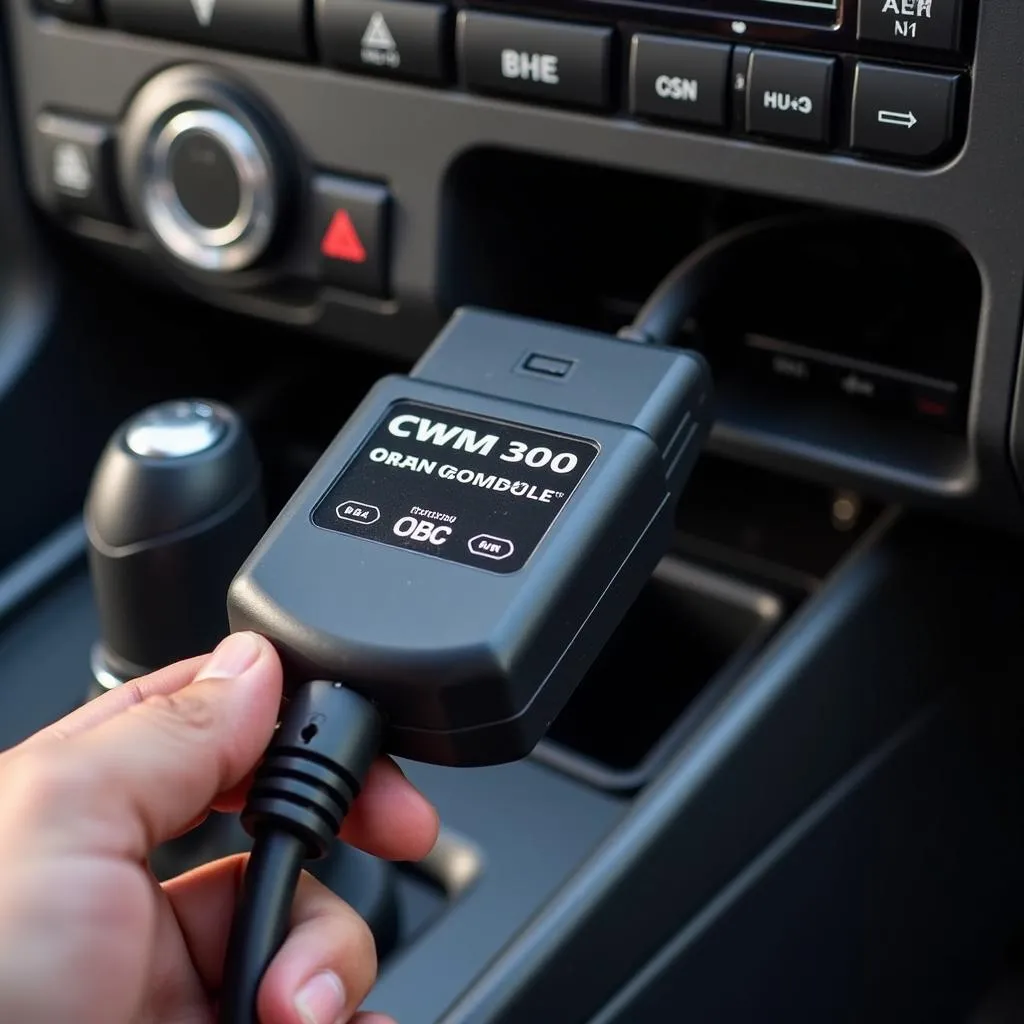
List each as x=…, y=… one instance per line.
x=303, y=790
x=315, y=766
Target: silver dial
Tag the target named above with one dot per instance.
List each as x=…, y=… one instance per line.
x=208, y=190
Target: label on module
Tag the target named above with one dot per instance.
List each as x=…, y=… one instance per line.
x=456, y=486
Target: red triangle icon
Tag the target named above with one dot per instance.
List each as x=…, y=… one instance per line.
x=341, y=241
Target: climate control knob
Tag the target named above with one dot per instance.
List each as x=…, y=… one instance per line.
x=202, y=167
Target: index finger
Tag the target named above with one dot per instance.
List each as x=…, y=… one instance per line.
x=97, y=711
x=390, y=819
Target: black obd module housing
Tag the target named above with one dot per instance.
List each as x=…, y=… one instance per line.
x=477, y=530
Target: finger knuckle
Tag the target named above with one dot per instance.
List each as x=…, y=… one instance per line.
x=184, y=711
x=37, y=784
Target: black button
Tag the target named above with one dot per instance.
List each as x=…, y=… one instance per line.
x=925, y=24
x=678, y=79
x=790, y=96
x=541, y=60
x=738, y=68
x=78, y=160
x=205, y=179
x=398, y=38
x=486, y=545
x=903, y=113
x=548, y=366
x=358, y=512
x=352, y=233
x=72, y=10
x=275, y=27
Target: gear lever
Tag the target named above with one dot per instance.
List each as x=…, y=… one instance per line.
x=174, y=508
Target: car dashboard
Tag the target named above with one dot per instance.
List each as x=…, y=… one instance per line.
x=810, y=807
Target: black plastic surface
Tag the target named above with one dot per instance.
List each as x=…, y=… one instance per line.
x=679, y=79
x=493, y=530
x=903, y=113
x=878, y=641
x=534, y=825
x=356, y=125
x=165, y=538
x=205, y=180
x=407, y=39
x=80, y=156
x=546, y=61
x=685, y=641
x=934, y=25
x=315, y=766
x=896, y=898
x=790, y=96
x=278, y=27
x=73, y=10
x=477, y=678
x=352, y=233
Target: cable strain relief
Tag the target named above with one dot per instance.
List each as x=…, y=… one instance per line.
x=315, y=766
x=303, y=795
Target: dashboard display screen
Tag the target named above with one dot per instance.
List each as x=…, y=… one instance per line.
x=815, y=12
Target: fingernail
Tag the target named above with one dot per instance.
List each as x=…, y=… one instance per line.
x=321, y=1000
x=232, y=657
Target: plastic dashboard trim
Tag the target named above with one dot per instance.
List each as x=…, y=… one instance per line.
x=368, y=128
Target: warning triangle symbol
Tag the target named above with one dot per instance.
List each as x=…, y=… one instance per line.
x=377, y=35
x=341, y=241
x=204, y=11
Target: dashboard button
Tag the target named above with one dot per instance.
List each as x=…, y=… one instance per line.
x=924, y=24
x=903, y=113
x=78, y=158
x=205, y=178
x=71, y=10
x=273, y=27
x=678, y=79
x=397, y=38
x=351, y=230
x=790, y=96
x=539, y=60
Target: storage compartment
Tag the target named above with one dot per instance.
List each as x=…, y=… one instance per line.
x=846, y=340
x=681, y=644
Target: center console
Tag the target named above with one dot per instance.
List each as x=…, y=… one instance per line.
x=274, y=202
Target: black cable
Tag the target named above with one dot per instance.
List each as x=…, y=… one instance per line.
x=311, y=774
x=261, y=920
x=690, y=282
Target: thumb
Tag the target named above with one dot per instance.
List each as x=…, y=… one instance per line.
x=141, y=777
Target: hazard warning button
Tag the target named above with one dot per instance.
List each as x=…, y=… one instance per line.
x=351, y=233
x=396, y=38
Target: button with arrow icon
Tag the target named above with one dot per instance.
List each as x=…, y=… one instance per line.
x=397, y=38
x=903, y=113
x=273, y=27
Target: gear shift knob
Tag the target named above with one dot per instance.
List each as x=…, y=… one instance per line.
x=174, y=507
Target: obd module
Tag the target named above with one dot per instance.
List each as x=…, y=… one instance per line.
x=477, y=530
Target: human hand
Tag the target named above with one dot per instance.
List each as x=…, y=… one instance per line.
x=87, y=935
